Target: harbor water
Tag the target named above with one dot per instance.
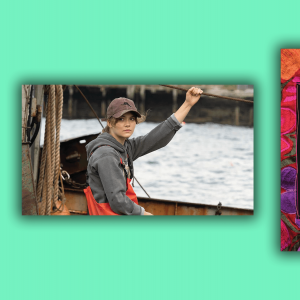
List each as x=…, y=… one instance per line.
x=204, y=163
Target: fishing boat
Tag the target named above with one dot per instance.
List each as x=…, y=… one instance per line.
x=73, y=165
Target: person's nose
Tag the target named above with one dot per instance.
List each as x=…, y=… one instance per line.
x=127, y=123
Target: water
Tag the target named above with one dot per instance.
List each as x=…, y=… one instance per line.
x=204, y=163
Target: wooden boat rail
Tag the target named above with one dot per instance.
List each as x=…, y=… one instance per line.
x=77, y=205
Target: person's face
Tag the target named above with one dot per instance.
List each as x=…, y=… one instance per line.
x=123, y=128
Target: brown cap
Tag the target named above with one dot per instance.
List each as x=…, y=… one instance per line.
x=119, y=107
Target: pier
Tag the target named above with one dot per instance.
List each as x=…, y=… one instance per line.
x=160, y=102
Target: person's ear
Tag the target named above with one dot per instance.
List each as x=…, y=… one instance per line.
x=109, y=124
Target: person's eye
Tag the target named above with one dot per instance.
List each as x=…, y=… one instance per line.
x=121, y=119
x=132, y=119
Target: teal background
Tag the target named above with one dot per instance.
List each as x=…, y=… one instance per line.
x=153, y=42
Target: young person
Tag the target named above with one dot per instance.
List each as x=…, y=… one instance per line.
x=111, y=155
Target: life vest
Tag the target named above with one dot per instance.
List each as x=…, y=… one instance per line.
x=104, y=209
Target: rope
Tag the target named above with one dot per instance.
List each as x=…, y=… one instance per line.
x=61, y=194
x=59, y=109
x=42, y=172
x=46, y=154
x=89, y=105
x=207, y=94
x=142, y=187
x=50, y=148
x=53, y=122
x=46, y=150
x=43, y=204
x=63, y=200
x=48, y=185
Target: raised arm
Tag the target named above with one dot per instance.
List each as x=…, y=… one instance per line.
x=157, y=138
x=192, y=97
x=162, y=134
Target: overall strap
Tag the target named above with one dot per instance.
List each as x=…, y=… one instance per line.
x=96, y=149
x=108, y=146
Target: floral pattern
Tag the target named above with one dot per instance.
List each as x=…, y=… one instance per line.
x=290, y=220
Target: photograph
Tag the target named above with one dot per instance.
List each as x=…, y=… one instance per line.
x=137, y=150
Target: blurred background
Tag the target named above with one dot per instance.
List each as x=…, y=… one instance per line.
x=163, y=101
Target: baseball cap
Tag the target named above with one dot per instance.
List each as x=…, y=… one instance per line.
x=119, y=107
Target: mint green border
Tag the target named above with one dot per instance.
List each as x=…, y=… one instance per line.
x=171, y=42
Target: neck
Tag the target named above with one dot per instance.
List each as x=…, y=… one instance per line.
x=119, y=139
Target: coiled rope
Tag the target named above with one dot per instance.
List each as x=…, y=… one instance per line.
x=59, y=109
x=48, y=185
x=51, y=151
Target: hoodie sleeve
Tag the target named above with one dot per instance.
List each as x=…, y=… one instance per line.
x=112, y=178
x=157, y=138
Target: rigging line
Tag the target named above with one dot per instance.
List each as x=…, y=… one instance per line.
x=207, y=94
x=142, y=187
x=103, y=127
x=89, y=104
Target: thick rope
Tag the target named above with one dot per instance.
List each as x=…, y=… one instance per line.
x=61, y=195
x=50, y=161
x=46, y=184
x=51, y=150
x=53, y=127
x=48, y=165
x=45, y=150
x=48, y=176
x=43, y=204
x=59, y=109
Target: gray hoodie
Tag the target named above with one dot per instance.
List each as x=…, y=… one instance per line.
x=105, y=173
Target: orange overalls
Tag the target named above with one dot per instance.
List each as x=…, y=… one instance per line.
x=103, y=209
